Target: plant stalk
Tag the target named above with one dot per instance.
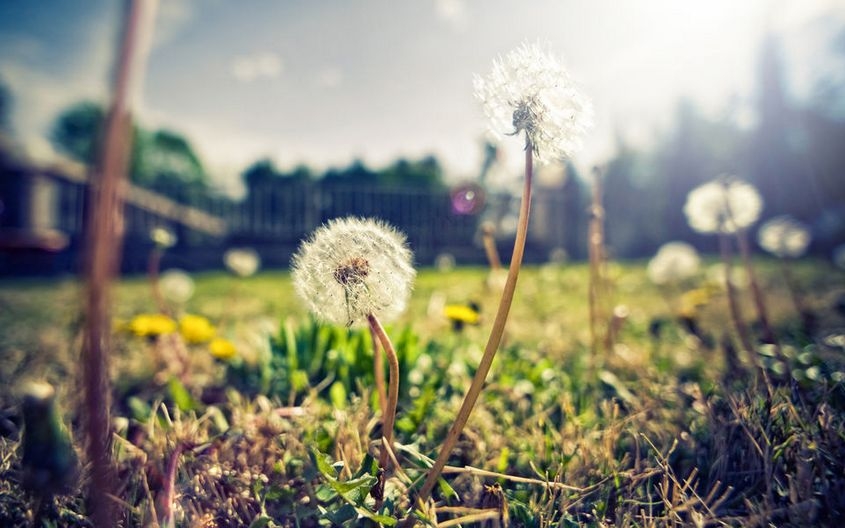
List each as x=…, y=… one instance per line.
x=389, y=412
x=596, y=254
x=104, y=244
x=494, y=340
x=808, y=320
x=153, y=271
x=378, y=368
x=487, y=235
x=733, y=304
x=757, y=294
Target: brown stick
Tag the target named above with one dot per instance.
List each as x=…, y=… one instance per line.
x=389, y=412
x=378, y=370
x=168, y=493
x=104, y=243
x=492, y=343
x=487, y=236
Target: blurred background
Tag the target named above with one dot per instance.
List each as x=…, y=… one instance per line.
x=258, y=121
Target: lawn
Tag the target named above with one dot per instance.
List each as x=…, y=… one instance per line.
x=663, y=422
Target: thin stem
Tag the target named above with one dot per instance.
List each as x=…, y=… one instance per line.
x=169, y=490
x=153, y=267
x=757, y=294
x=492, y=343
x=490, y=250
x=389, y=411
x=104, y=244
x=733, y=305
x=595, y=248
x=807, y=317
x=378, y=368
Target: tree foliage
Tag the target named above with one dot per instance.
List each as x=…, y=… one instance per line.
x=161, y=160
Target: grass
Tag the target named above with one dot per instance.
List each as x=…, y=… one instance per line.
x=661, y=433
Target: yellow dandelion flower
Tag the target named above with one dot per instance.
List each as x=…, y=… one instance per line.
x=148, y=325
x=196, y=329
x=460, y=313
x=692, y=301
x=222, y=348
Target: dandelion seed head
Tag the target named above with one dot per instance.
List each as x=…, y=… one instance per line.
x=529, y=90
x=444, y=262
x=724, y=205
x=785, y=237
x=352, y=267
x=718, y=275
x=176, y=285
x=243, y=262
x=163, y=237
x=673, y=262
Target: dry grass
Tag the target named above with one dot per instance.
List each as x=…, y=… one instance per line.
x=663, y=435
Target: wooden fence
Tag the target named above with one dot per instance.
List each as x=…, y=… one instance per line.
x=42, y=215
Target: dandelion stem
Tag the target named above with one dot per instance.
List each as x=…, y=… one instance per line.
x=596, y=245
x=733, y=305
x=389, y=411
x=487, y=235
x=759, y=303
x=153, y=267
x=494, y=340
x=807, y=317
x=378, y=368
x=104, y=233
x=168, y=493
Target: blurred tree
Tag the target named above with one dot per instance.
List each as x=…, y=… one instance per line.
x=575, y=202
x=168, y=163
x=820, y=137
x=5, y=105
x=261, y=172
x=491, y=154
x=77, y=129
x=425, y=173
x=356, y=173
x=633, y=201
x=162, y=160
x=697, y=150
x=300, y=174
x=775, y=163
x=263, y=175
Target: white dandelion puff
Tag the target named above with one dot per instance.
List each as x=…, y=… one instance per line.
x=163, y=237
x=784, y=237
x=718, y=275
x=724, y=205
x=243, y=262
x=673, y=262
x=176, y=285
x=529, y=90
x=352, y=268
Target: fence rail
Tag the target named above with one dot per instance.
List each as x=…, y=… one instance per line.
x=271, y=218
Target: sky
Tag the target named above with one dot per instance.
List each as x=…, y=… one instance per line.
x=326, y=82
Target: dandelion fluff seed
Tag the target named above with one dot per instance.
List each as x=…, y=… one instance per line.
x=353, y=267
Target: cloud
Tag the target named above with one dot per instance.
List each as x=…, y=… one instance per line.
x=262, y=65
x=330, y=77
x=453, y=12
x=39, y=93
x=171, y=17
